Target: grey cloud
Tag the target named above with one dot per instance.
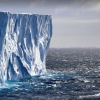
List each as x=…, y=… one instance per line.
x=51, y=3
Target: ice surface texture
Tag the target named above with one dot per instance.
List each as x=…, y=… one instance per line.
x=24, y=40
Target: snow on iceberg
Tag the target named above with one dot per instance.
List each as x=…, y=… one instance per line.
x=24, y=41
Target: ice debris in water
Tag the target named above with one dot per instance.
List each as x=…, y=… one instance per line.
x=24, y=40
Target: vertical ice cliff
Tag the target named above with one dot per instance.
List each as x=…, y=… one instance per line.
x=24, y=40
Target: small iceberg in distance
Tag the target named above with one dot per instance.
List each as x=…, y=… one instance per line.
x=24, y=41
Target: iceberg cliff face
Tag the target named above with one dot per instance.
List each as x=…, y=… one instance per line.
x=24, y=40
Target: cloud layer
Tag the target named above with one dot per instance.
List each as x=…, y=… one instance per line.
x=76, y=23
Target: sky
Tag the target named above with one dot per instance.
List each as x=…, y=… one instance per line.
x=76, y=23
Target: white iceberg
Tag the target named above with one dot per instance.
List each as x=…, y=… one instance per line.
x=24, y=41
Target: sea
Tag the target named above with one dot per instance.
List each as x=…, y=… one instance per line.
x=72, y=74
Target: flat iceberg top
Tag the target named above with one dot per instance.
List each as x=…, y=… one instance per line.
x=24, y=41
x=24, y=13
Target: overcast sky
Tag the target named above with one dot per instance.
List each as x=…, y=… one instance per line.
x=76, y=23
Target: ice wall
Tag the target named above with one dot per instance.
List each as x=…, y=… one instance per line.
x=24, y=41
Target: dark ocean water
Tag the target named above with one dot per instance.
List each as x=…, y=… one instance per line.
x=72, y=74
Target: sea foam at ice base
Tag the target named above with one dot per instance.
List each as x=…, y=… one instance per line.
x=24, y=40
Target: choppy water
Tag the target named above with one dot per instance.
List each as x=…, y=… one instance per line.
x=72, y=74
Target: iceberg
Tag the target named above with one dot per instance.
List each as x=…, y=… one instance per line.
x=24, y=41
